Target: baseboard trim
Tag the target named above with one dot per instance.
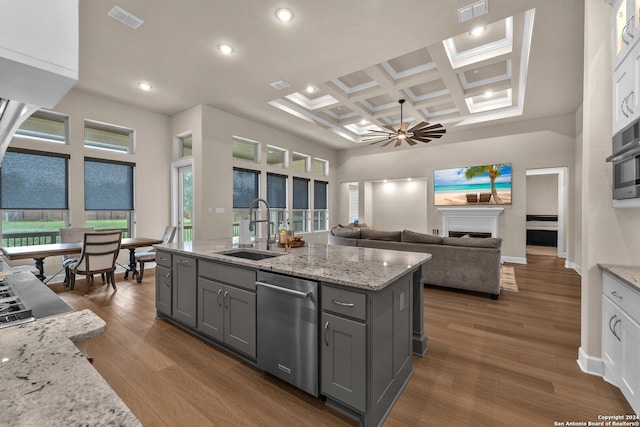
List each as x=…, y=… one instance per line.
x=574, y=266
x=589, y=364
x=514, y=260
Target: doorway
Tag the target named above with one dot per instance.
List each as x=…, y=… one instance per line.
x=182, y=199
x=547, y=197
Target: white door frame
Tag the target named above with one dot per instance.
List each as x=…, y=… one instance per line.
x=175, y=191
x=562, y=202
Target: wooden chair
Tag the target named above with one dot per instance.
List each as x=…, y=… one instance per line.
x=485, y=197
x=472, y=197
x=99, y=253
x=72, y=235
x=150, y=256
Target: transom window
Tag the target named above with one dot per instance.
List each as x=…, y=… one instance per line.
x=299, y=162
x=245, y=149
x=45, y=126
x=320, y=167
x=186, y=145
x=276, y=156
x=108, y=137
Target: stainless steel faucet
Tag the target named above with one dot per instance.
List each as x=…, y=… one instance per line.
x=252, y=219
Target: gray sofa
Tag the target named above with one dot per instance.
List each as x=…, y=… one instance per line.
x=457, y=262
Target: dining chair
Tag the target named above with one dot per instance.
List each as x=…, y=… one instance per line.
x=72, y=235
x=99, y=253
x=150, y=256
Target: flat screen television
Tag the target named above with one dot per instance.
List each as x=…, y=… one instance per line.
x=473, y=185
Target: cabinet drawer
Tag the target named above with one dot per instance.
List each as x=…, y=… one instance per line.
x=343, y=301
x=622, y=295
x=225, y=273
x=163, y=259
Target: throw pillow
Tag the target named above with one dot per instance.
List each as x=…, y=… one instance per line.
x=415, y=237
x=389, y=236
x=473, y=242
x=350, y=233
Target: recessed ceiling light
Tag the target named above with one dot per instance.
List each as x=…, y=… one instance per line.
x=488, y=94
x=225, y=49
x=310, y=89
x=363, y=122
x=145, y=86
x=284, y=14
x=477, y=31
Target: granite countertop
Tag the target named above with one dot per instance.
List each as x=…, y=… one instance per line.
x=46, y=381
x=364, y=268
x=629, y=274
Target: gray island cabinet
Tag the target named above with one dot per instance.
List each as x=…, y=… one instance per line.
x=370, y=312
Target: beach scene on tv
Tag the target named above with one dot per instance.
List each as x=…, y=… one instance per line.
x=473, y=185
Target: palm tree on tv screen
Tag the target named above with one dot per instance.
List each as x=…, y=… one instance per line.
x=493, y=171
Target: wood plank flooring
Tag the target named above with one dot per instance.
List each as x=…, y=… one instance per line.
x=510, y=362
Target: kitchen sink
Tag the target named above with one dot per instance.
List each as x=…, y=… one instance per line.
x=252, y=255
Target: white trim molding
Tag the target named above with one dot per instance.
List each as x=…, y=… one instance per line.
x=589, y=364
x=478, y=220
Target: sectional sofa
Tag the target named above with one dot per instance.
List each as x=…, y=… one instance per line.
x=457, y=262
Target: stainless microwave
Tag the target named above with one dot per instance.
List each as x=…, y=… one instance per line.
x=626, y=162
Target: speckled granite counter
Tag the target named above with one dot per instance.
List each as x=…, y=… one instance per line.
x=46, y=381
x=364, y=268
x=628, y=274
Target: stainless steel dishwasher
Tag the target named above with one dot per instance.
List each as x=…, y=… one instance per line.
x=287, y=317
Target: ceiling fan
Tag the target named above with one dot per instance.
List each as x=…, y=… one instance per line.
x=423, y=132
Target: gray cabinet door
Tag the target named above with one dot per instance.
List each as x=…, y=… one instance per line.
x=210, y=308
x=240, y=320
x=184, y=289
x=344, y=361
x=163, y=289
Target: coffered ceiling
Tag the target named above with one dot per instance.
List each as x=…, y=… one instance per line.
x=359, y=58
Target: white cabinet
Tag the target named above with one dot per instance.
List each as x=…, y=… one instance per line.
x=626, y=28
x=621, y=338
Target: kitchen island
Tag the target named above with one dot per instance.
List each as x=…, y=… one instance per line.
x=369, y=312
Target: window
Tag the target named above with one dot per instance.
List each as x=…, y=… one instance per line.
x=245, y=190
x=277, y=198
x=300, y=162
x=245, y=149
x=276, y=156
x=354, y=202
x=320, y=206
x=300, y=205
x=108, y=195
x=186, y=145
x=45, y=126
x=33, y=197
x=320, y=167
x=108, y=137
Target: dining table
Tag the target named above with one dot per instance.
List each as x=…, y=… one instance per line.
x=40, y=252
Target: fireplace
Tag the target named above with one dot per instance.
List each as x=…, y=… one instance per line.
x=475, y=221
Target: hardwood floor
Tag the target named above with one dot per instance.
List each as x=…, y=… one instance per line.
x=510, y=362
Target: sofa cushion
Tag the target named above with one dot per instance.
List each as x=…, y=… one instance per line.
x=409, y=236
x=390, y=236
x=473, y=242
x=351, y=233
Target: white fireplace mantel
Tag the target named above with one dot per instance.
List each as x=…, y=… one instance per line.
x=476, y=220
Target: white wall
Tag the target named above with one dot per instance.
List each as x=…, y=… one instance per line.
x=542, y=194
x=152, y=155
x=400, y=205
x=544, y=143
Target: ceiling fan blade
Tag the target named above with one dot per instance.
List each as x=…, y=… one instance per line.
x=380, y=131
x=433, y=132
x=436, y=126
x=398, y=142
x=410, y=141
x=390, y=141
x=425, y=140
x=419, y=125
x=395, y=132
x=404, y=126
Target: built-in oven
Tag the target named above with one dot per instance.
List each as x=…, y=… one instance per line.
x=626, y=162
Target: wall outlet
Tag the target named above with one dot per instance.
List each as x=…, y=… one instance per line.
x=219, y=210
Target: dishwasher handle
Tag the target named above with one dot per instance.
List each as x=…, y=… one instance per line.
x=287, y=290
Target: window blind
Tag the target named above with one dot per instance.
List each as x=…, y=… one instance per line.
x=108, y=185
x=277, y=191
x=300, y=193
x=33, y=180
x=320, y=194
x=245, y=187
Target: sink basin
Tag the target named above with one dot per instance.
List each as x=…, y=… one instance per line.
x=252, y=255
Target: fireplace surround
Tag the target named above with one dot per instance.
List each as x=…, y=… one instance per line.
x=475, y=221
